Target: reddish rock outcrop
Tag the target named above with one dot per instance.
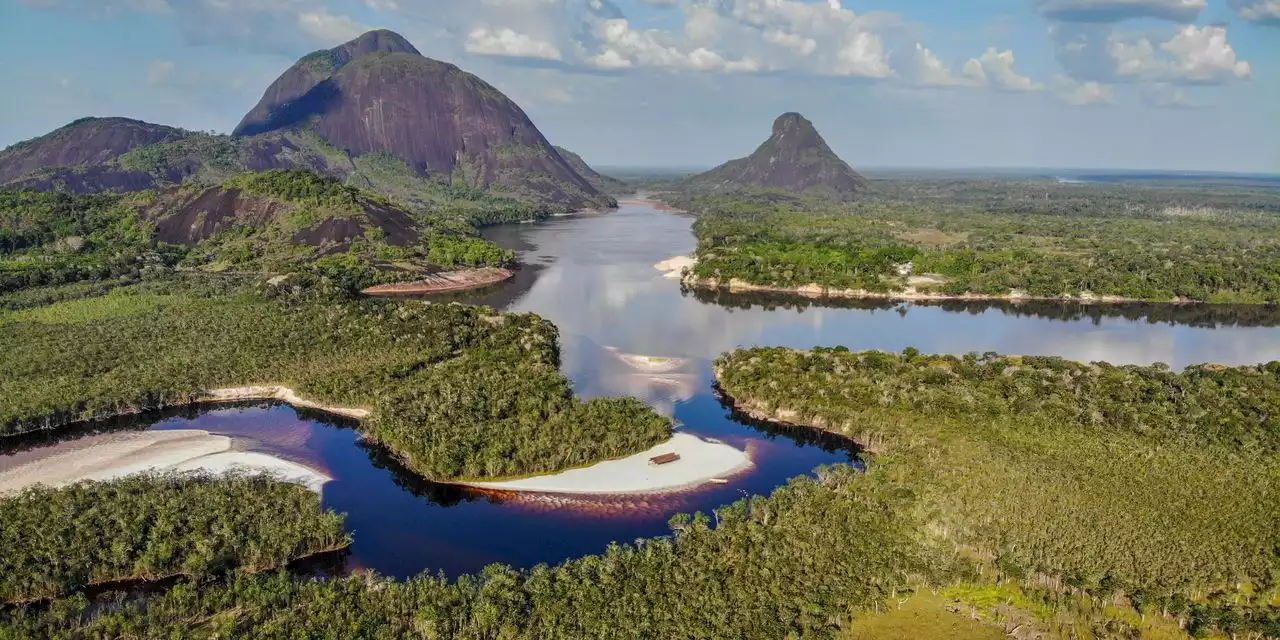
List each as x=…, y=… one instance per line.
x=444, y=281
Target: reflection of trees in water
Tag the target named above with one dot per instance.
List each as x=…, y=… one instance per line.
x=113, y=595
x=119, y=424
x=445, y=495
x=802, y=436
x=1207, y=316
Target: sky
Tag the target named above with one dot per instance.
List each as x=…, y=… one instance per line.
x=1133, y=84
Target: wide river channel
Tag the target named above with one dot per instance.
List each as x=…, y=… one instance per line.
x=594, y=277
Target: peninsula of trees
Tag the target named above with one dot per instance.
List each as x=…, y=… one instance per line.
x=998, y=239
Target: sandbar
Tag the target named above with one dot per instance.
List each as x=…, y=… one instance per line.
x=674, y=267
x=111, y=456
x=701, y=461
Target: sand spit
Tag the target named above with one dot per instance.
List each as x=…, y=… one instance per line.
x=701, y=462
x=460, y=280
x=285, y=394
x=674, y=267
x=649, y=364
x=909, y=293
x=110, y=456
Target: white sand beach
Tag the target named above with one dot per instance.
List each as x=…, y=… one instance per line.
x=109, y=456
x=233, y=394
x=701, y=462
x=674, y=267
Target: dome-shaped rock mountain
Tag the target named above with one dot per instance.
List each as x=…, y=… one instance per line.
x=794, y=158
x=378, y=94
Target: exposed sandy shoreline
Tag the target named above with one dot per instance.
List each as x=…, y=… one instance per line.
x=110, y=456
x=459, y=280
x=285, y=394
x=701, y=461
x=674, y=267
x=814, y=290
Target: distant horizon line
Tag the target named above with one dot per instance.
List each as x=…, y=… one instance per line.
x=982, y=168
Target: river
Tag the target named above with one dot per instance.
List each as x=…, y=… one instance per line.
x=593, y=275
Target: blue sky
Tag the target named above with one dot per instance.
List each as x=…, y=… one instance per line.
x=1150, y=84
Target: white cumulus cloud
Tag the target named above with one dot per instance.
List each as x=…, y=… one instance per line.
x=1196, y=55
x=995, y=68
x=1082, y=94
x=1260, y=11
x=329, y=28
x=508, y=42
x=931, y=71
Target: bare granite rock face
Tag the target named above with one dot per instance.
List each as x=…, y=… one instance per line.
x=377, y=94
x=88, y=141
x=373, y=95
x=310, y=71
x=190, y=216
x=795, y=158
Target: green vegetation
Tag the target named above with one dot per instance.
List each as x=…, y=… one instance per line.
x=213, y=157
x=795, y=564
x=468, y=420
x=1040, y=516
x=1133, y=242
x=53, y=239
x=453, y=251
x=1105, y=483
x=56, y=541
x=301, y=187
x=334, y=238
x=455, y=390
x=922, y=615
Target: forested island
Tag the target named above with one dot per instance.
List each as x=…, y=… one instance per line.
x=994, y=239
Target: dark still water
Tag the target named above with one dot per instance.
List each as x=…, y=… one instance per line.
x=594, y=277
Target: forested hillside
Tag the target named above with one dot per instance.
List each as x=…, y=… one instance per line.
x=280, y=222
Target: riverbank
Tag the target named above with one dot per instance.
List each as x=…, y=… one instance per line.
x=271, y=392
x=907, y=294
x=448, y=281
x=700, y=462
x=116, y=455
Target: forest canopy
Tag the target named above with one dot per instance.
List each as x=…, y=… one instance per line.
x=148, y=527
x=995, y=239
x=1137, y=482
x=479, y=390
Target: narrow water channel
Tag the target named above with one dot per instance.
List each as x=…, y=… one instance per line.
x=594, y=277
